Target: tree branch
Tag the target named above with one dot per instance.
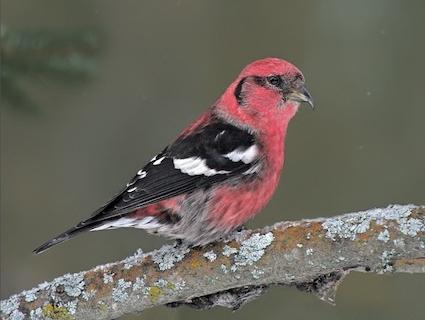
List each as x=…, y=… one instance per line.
x=312, y=255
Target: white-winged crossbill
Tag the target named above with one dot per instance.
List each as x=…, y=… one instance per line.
x=220, y=171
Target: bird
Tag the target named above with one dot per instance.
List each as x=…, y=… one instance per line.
x=220, y=171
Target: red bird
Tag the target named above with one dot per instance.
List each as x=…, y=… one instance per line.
x=220, y=171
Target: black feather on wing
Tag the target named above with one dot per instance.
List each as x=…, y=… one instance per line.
x=160, y=179
x=208, y=146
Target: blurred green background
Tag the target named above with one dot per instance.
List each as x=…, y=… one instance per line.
x=147, y=68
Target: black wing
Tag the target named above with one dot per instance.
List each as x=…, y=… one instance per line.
x=192, y=162
x=212, y=153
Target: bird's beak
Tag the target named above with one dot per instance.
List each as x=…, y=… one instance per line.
x=302, y=95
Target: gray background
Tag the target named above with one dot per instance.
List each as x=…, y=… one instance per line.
x=162, y=63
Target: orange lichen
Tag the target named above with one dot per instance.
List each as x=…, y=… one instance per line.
x=418, y=213
x=409, y=262
x=94, y=282
x=196, y=260
x=292, y=236
x=372, y=231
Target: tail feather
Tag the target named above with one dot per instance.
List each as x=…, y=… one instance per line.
x=70, y=233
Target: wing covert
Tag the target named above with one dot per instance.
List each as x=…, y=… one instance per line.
x=211, y=154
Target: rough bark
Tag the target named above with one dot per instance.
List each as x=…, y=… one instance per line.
x=312, y=255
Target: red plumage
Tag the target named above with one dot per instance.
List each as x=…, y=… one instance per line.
x=220, y=171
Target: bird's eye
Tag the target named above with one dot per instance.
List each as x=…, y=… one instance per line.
x=275, y=81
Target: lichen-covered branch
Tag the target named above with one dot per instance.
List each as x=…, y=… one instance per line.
x=312, y=255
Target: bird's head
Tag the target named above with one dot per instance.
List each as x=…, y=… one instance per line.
x=266, y=94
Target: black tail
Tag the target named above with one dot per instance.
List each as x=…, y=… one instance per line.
x=70, y=233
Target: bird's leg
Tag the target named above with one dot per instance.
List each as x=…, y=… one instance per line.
x=242, y=227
